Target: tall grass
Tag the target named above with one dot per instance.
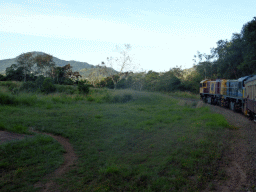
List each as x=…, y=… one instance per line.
x=183, y=94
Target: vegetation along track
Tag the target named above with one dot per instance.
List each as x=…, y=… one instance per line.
x=240, y=166
x=241, y=169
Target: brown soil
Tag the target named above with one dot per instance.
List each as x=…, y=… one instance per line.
x=6, y=136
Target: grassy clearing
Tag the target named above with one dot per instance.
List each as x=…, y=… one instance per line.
x=125, y=140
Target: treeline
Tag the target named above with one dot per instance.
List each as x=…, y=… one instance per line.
x=231, y=59
x=40, y=74
x=31, y=66
x=174, y=80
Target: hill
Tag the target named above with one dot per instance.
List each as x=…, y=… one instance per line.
x=82, y=67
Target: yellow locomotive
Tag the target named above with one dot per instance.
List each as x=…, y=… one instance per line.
x=238, y=95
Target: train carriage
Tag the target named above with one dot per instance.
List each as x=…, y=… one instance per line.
x=228, y=93
x=238, y=95
x=250, y=97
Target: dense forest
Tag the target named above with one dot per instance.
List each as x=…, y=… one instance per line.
x=231, y=59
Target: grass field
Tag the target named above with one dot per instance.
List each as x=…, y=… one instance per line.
x=125, y=141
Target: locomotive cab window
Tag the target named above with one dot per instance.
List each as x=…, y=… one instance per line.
x=240, y=85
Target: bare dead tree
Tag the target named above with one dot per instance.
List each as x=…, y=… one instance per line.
x=123, y=63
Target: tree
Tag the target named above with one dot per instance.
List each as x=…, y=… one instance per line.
x=44, y=65
x=2, y=77
x=76, y=75
x=151, y=79
x=14, y=73
x=137, y=81
x=192, y=81
x=48, y=86
x=25, y=62
x=123, y=63
x=97, y=74
x=83, y=87
x=58, y=74
x=248, y=34
x=168, y=82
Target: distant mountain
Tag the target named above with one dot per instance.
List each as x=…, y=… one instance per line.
x=6, y=63
x=84, y=68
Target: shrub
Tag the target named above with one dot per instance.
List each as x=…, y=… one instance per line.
x=122, y=98
x=83, y=88
x=107, y=98
x=66, y=89
x=126, y=98
x=2, y=127
x=48, y=86
x=28, y=86
x=90, y=98
x=6, y=99
x=10, y=84
x=2, y=77
x=68, y=82
x=40, y=81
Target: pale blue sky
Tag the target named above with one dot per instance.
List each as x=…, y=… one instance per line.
x=163, y=34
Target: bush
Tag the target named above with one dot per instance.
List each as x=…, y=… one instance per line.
x=40, y=81
x=28, y=86
x=2, y=77
x=121, y=84
x=6, y=99
x=10, y=84
x=48, y=86
x=83, y=88
x=2, y=127
x=68, y=82
x=66, y=89
x=122, y=98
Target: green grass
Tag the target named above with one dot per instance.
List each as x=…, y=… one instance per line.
x=26, y=162
x=184, y=95
x=125, y=140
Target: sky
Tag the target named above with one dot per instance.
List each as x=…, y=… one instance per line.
x=163, y=34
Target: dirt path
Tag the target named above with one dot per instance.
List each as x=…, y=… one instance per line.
x=69, y=160
x=8, y=136
x=241, y=170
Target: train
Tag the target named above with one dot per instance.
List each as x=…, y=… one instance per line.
x=238, y=94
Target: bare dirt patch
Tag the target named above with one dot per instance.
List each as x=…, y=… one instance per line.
x=6, y=136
